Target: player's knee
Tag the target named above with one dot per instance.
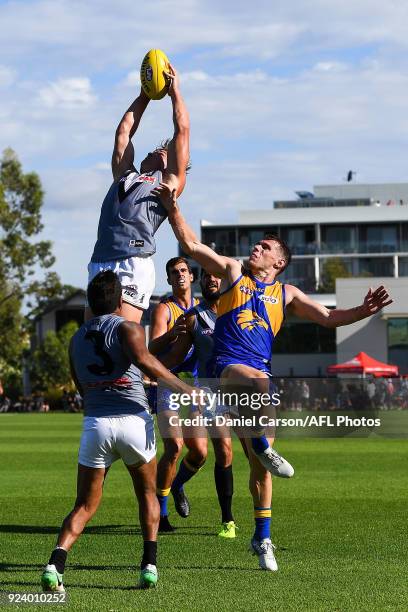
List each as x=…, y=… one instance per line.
x=173, y=448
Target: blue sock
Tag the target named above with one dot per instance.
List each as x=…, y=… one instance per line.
x=163, y=496
x=263, y=518
x=185, y=472
x=259, y=444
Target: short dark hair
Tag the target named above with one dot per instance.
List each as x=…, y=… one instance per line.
x=174, y=261
x=104, y=293
x=165, y=145
x=285, y=250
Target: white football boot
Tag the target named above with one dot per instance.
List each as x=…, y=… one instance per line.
x=264, y=549
x=275, y=463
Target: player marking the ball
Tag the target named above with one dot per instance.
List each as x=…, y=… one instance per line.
x=130, y=214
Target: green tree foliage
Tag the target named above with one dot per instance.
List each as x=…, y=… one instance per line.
x=332, y=269
x=50, y=362
x=21, y=255
x=21, y=199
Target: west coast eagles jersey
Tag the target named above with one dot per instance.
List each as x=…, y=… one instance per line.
x=250, y=314
x=175, y=311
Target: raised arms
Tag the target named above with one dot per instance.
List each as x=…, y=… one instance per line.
x=178, y=152
x=123, y=151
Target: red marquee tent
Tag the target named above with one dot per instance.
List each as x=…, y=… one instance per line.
x=363, y=364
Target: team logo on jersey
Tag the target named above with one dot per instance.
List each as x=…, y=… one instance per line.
x=146, y=178
x=269, y=298
x=248, y=319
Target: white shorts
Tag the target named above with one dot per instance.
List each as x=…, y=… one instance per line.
x=105, y=439
x=137, y=277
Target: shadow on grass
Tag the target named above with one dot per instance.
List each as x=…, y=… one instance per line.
x=92, y=530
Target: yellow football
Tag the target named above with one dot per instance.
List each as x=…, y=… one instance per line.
x=154, y=82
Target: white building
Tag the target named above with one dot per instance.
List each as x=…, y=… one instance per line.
x=361, y=231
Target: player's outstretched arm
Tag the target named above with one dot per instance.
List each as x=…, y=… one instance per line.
x=304, y=307
x=178, y=153
x=123, y=152
x=223, y=267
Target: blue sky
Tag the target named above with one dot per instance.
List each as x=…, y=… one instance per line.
x=281, y=95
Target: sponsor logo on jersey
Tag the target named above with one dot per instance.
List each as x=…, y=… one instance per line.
x=246, y=290
x=269, y=298
x=248, y=319
x=207, y=332
x=136, y=243
x=146, y=178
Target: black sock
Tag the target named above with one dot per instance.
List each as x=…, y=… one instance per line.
x=149, y=553
x=224, y=483
x=58, y=558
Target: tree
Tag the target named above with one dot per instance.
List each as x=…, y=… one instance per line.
x=332, y=269
x=21, y=255
x=50, y=362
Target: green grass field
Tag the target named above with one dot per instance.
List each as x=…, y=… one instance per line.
x=340, y=527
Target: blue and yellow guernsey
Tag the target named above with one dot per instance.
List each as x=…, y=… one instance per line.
x=250, y=314
x=190, y=363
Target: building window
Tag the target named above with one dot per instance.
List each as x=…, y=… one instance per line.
x=221, y=240
x=301, y=239
x=398, y=343
x=403, y=266
x=300, y=272
x=301, y=338
x=375, y=266
x=378, y=238
x=338, y=239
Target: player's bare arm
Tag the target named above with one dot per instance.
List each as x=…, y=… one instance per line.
x=182, y=344
x=134, y=345
x=178, y=153
x=304, y=307
x=123, y=151
x=224, y=267
x=160, y=338
x=73, y=373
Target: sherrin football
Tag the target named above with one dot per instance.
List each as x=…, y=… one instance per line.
x=153, y=79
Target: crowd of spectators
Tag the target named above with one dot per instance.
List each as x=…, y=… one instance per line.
x=343, y=394
x=36, y=402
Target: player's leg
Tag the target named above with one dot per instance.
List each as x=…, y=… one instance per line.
x=136, y=444
x=196, y=441
x=243, y=379
x=144, y=483
x=89, y=493
x=224, y=481
x=260, y=486
x=166, y=472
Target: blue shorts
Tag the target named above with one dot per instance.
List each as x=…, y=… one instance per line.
x=220, y=363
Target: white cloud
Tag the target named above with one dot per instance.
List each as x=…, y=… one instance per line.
x=132, y=79
x=68, y=94
x=280, y=96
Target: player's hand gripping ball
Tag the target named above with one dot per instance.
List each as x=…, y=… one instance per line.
x=152, y=74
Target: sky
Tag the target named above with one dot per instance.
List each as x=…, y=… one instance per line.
x=282, y=96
